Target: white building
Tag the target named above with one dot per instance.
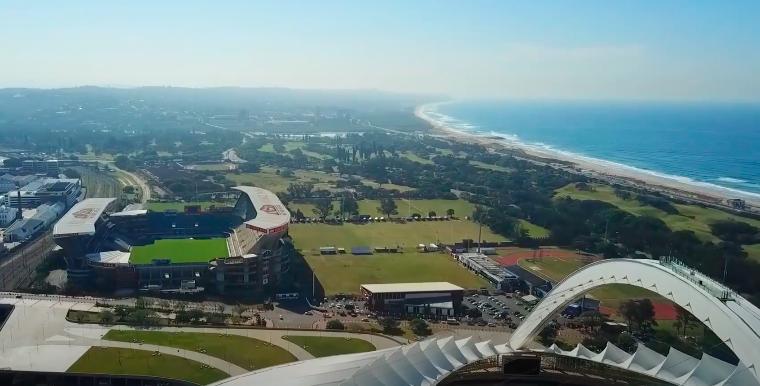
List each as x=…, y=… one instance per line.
x=7, y=215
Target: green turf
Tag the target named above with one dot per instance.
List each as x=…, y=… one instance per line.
x=180, y=250
x=309, y=237
x=345, y=273
x=245, y=352
x=533, y=229
x=323, y=346
x=269, y=179
x=461, y=207
x=414, y=157
x=753, y=251
x=111, y=360
x=180, y=206
x=692, y=217
x=493, y=167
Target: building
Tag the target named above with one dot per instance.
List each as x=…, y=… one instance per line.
x=241, y=249
x=27, y=228
x=529, y=282
x=438, y=300
x=7, y=215
x=46, y=190
x=584, y=304
x=497, y=275
x=9, y=182
x=50, y=167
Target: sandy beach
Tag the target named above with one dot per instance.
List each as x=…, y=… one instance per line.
x=613, y=172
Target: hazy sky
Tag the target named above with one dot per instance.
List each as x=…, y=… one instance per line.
x=528, y=49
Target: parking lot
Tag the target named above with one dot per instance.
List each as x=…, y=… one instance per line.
x=505, y=310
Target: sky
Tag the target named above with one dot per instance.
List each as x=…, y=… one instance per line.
x=638, y=50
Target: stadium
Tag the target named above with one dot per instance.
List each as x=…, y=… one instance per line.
x=230, y=249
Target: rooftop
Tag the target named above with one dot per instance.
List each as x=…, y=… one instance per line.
x=80, y=220
x=271, y=214
x=412, y=287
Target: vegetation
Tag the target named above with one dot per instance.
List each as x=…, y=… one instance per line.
x=345, y=273
x=323, y=346
x=111, y=360
x=335, y=324
x=420, y=327
x=180, y=250
x=243, y=351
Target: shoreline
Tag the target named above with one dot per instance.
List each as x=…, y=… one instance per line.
x=610, y=171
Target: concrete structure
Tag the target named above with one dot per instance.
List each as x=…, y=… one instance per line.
x=98, y=245
x=7, y=215
x=482, y=265
x=438, y=300
x=732, y=318
x=46, y=190
x=529, y=282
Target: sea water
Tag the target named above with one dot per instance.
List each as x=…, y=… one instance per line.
x=698, y=143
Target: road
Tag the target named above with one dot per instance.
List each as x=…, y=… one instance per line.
x=19, y=266
x=139, y=181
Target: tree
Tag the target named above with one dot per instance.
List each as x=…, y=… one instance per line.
x=388, y=207
x=637, y=313
x=450, y=212
x=548, y=334
x=196, y=315
x=123, y=162
x=350, y=205
x=249, y=167
x=626, y=342
x=322, y=208
x=129, y=189
x=121, y=311
x=300, y=190
x=684, y=319
x=420, y=327
x=107, y=317
x=389, y=325
x=592, y=319
x=240, y=309
x=335, y=325
x=182, y=317
x=432, y=213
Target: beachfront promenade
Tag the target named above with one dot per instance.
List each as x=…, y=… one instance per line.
x=38, y=337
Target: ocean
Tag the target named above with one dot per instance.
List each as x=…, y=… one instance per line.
x=696, y=143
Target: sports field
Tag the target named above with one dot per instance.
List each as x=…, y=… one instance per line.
x=248, y=353
x=324, y=346
x=180, y=250
x=692, y=217
x=111, y=360
x=309, y=237
x=345, y=273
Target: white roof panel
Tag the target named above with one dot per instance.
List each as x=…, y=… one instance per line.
x=412, y=287
x=80, y=219
x=271, y=215
x=109, y=257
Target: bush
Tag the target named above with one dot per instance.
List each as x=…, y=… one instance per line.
x=335, y=325
x=420, y=327
x=389, y=325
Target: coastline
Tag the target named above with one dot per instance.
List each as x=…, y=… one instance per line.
x=609, y=171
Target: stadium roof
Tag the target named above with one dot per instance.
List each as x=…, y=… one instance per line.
x=80, y=220
x=271, y=215
x=412, y=287
x=109, y=257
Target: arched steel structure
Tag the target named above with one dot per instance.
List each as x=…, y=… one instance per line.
x=732, y=318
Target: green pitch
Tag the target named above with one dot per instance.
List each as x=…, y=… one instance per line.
x=180, y=250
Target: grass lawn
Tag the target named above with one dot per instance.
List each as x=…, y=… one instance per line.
x=461, y=207
x=309, y=237
x=344, y=273
x=112, y=360
x=483, y=165
x=533, y=229
x=268, y=179
x=180, y=206
x=753, y=251
x=692, y=217
x=389, y=186
x=324, y=346
x=180, y=250
x=245, y=352
x=414, y=157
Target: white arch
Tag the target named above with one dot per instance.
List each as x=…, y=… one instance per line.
x=736, y=321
